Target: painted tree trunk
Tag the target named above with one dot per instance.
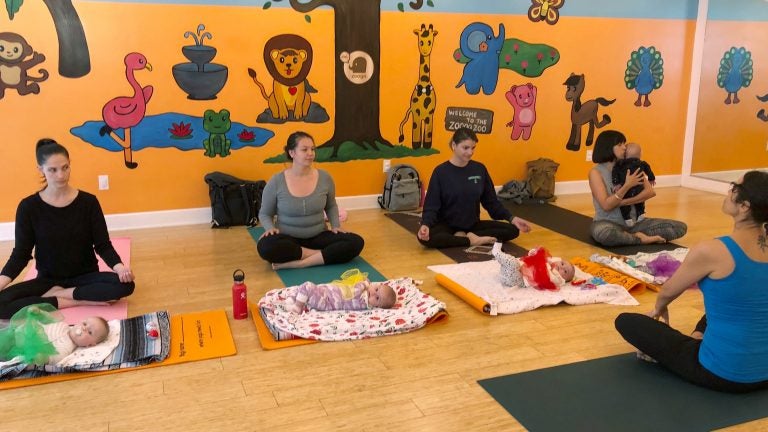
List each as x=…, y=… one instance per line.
x=74, y=60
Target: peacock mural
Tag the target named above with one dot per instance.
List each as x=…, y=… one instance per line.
x=735, y=72
x=644, y=73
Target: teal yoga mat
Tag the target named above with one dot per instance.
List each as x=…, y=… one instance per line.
x=576, y=226
x=320, y=274
x=619, y=393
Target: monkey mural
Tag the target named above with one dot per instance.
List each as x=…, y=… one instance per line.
x=14, y=69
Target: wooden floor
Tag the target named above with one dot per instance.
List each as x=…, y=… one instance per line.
x=422, y=381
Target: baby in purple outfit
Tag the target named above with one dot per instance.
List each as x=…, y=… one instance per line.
x=335, y=296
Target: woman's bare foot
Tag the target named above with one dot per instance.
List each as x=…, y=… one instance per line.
x=646, y=239
x=64, y=302
x=312, y=260
x=56, y=291
x=476, y=240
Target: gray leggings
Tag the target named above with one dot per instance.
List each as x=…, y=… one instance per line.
x=609, y=233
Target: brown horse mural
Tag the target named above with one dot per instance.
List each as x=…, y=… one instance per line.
x=582, y=113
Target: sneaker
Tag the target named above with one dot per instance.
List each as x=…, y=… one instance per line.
x=629, y=222
x=645, y=357
x=641, y=217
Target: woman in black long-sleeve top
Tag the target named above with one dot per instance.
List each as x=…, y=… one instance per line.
x=64, y=226
x=457, y=188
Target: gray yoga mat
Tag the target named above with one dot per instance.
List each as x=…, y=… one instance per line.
x=576, y=226
x=619, y=393
x=410, y=221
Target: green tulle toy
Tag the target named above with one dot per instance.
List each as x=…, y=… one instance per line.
x=25, y=337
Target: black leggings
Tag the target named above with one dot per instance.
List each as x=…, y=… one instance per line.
x=442, y=235
x=675, y=351
x=335, y=248
x=96, y=286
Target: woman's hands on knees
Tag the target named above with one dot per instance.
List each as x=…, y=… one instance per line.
x=423, y=233
x=269, y=232
x=123, y=272
x=521, y=224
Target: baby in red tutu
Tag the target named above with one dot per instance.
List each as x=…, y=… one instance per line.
x=537, y=270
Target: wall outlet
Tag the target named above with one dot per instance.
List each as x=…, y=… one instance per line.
x=103, y=182
x=589, y=155
x=387, y=163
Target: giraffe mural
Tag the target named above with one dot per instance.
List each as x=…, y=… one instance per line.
x=423, y=99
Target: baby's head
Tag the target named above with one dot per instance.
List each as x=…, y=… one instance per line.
x=633, y=151
x=564, y=268
x=91, y=331
x=381, y=295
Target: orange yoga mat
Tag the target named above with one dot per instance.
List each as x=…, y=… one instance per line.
x=194, y=336
x=468, y=296
x=633, y=285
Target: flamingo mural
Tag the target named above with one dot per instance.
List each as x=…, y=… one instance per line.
x=125, y=112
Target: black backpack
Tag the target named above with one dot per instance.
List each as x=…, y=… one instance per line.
x=402, y=189
x=233, y=201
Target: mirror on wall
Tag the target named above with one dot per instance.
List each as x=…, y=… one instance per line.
x=731, y=129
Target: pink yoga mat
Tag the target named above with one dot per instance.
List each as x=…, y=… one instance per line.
x=118, y=309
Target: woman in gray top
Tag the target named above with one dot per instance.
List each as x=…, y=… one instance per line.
x=291, y=213
x=608, y=227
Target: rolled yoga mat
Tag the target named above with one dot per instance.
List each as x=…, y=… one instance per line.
x=619, y=393
x=410, y=222
x=320, y=274
x=576, y=226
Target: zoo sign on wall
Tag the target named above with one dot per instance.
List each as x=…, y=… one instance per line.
x=475, y=119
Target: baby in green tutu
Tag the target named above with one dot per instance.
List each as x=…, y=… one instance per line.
x=38, y=335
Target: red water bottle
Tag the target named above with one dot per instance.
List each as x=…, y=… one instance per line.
x=239, y=295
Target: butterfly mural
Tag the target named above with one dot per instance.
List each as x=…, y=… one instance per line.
x=545, y=10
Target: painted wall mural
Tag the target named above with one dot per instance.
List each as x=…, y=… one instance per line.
x=545, y=10
x=357, y=27
x=761, y=114
x=482, y=59
x=288, y=58
x=735, y=72
x=126, y=127
x=17, y=57
x=74, y=59
x=125, y=112
x=481, y=48
x=644, y=73
x=583, y=112
x=199, y=78
x=423, y=100
x=523, y=101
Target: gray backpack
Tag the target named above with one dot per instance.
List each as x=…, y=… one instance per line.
x=402, y=189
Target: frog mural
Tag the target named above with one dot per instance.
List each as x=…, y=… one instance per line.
x=217, y=125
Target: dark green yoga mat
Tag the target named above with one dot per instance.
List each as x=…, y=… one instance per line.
x=619, y=393
x=410, y=221
x=576, y=226
x=320, y=274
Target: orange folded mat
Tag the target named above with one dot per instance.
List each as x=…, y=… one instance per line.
x=194, y=336
x=633, y=285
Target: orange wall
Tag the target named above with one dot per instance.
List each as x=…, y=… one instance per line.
x=730, y=137
x=173, y=179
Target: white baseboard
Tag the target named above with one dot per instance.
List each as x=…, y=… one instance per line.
x=157, y=219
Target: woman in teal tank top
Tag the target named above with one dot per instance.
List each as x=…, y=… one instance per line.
x=729, y=349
